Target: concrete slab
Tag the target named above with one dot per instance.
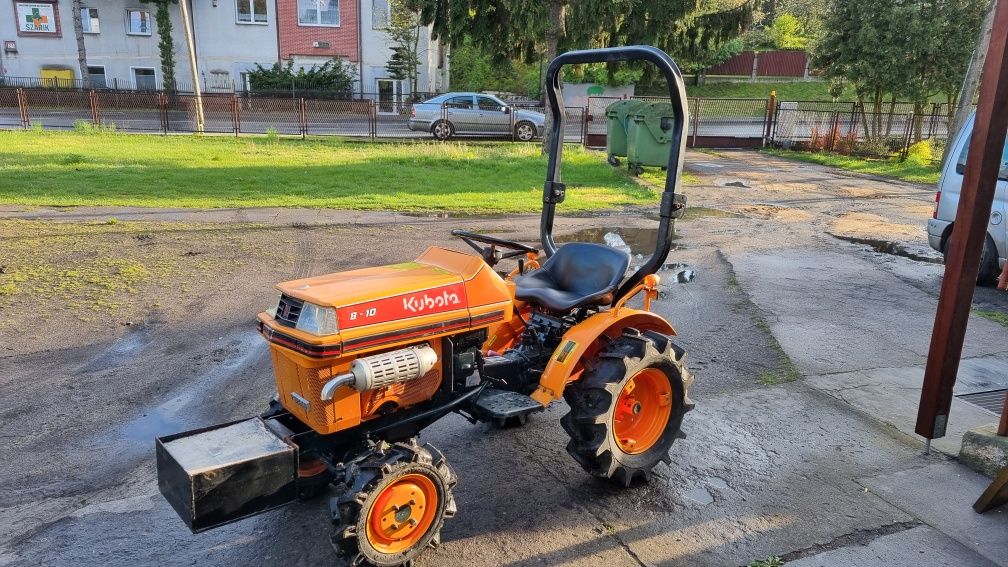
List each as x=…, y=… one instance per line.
x=984, y=451
x=942, y=496
x=892, y=395
x=834, y=312
x=922, y=545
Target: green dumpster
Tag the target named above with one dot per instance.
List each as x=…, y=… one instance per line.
x=649, y=135
x=616, y=139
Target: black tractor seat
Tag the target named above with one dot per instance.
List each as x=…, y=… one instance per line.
x=577, y=274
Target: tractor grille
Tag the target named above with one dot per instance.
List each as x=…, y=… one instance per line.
x=289, y=310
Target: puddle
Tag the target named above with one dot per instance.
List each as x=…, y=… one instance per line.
x=634, y=241
x=891, y=248
x=734, y=183
x=120, y=352
x=169, y=417
x=718, y=483
x=699, y=495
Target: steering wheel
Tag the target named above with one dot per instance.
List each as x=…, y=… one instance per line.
x=490, y=254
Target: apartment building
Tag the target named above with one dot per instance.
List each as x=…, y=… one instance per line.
x=231, y=37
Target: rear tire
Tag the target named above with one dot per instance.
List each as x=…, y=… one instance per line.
x=395, y=502
x=618, y=434
x=442, y=130
x=989, y=269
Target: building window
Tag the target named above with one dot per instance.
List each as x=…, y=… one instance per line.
x=251, y=11
x=381, y=16
x=144, y=79
x=138, y=22
x=97, y=74
x=89, y=19
x=318, y=12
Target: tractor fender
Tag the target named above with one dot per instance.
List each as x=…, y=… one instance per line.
x=582, y=340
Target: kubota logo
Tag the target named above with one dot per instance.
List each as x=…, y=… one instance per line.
x=421, y=303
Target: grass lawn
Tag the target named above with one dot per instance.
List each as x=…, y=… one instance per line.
x=907, y=170
x=74, y=169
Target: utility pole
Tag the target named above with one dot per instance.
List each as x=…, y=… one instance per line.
x=972, y=80
x=187, y=24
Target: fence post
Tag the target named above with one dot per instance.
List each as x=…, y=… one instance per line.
x=23, y=108
x=163, y=112
x=769, y=117
x=907, y=135
x=234, y=114
x=834, y=130
x=373, y=118
x=95, y=117
x=511, y=116
x=696, y=121
x=584, y=128
x=303, y=118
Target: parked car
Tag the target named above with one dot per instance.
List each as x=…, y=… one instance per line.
x=476, y=114
x=940, y=228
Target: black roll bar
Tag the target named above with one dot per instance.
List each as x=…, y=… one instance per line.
x=672, y=205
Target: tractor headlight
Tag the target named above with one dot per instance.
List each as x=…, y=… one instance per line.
x=274, y=307
x=317, y=320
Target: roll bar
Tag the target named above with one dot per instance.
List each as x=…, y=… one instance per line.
x=672, y=204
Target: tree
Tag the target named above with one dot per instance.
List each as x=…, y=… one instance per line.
x=913, y=49
x=688, y=29
x=81, y=49
x=333, y=76
x=166, y=45
x=972, y=81
x=404, y=35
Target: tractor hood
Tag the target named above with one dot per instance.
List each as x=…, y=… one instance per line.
x=442, y=290
x=344, y=289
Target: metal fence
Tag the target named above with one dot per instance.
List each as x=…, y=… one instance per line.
x=713, y=122
x=150, y=111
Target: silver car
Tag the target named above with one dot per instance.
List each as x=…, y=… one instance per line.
x=940, y=227
x=477, y=114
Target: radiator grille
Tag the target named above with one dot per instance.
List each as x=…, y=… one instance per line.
x=288, y=310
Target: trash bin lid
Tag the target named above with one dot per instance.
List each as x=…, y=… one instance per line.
x=658, y=117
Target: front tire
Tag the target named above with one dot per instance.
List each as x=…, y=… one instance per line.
x=442, y=130
x=395, y=502
x=626, y=411
x=525, y=131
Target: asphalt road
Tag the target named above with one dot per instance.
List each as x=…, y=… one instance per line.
x=782, y=275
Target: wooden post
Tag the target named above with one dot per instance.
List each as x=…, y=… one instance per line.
x=23, y=108
x=303, y=118
x=191, y=45
x=770, y=115
x=979, y=181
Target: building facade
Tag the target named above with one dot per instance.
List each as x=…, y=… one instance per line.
x=231, y=37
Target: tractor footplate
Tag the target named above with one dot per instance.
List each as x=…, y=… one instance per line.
x=499, y=405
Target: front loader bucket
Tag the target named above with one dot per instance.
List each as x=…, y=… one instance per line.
x=226, y=472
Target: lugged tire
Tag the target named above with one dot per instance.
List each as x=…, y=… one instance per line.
x=593, y=400
x=365, y=480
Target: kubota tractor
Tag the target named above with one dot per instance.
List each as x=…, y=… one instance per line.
x=364, y=360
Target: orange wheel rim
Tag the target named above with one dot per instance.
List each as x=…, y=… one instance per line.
x=642, y=411
x=402, y=514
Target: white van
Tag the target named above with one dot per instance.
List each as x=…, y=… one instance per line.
x=940, y=227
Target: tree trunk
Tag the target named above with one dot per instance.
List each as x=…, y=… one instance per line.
x=558, y=30
x=78, y=25
x=972, y=80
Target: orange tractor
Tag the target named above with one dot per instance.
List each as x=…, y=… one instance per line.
x=365, y=360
